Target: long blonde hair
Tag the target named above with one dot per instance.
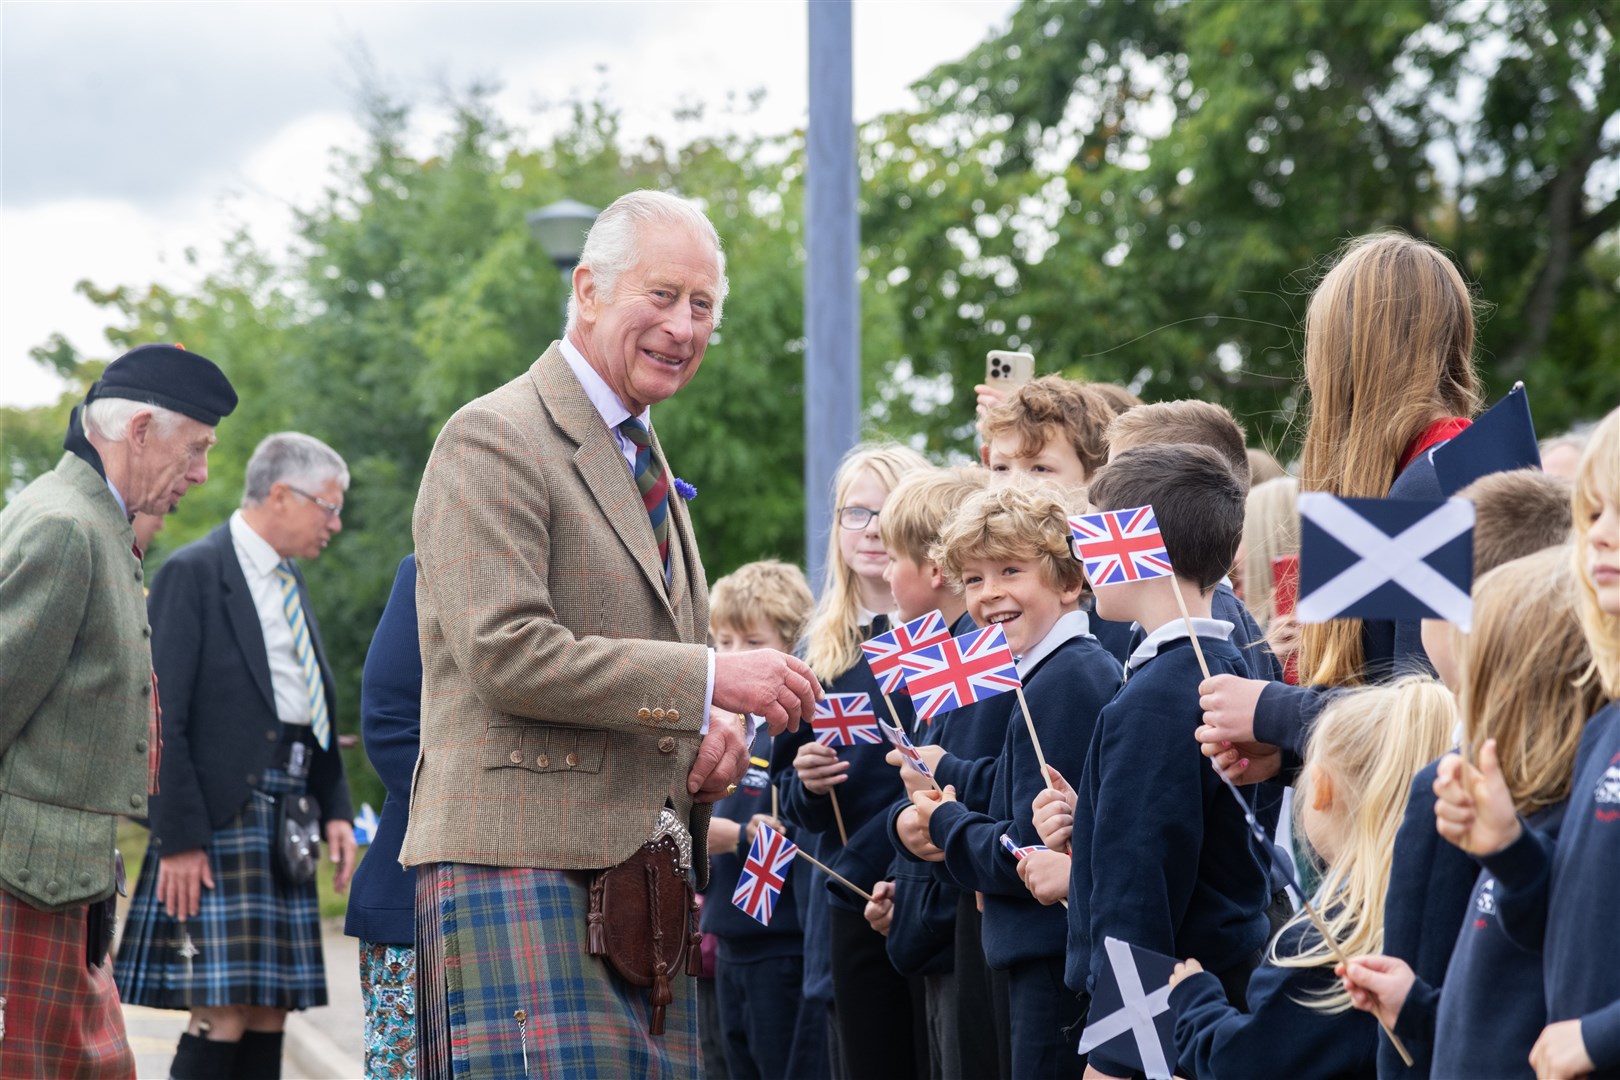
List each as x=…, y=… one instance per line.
x=1270, y=530
x=1371, y=742
x=834, y=644
x=1598, y=475
x=1389, y=350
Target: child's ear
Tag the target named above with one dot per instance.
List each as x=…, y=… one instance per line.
x=936, y=576
x=1321, y=789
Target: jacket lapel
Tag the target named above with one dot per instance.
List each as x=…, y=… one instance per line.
x=600, y=464
x=243, y=615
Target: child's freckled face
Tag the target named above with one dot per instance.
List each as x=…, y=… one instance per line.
x=1013, y=594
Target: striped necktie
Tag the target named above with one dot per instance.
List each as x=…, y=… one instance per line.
x=304, y=650
x=653, y=483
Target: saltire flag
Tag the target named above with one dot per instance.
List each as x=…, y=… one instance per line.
x=1134, y=1023
x=1021, y=853
x=960, y=671
x=1120, y=545
x=1385, y=559
x=903, y=744
x=1503, y=438
x=884, y=651
x=846, y=720
x=764, y=874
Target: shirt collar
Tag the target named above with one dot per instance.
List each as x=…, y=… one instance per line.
x=1175, y=630
x=122, y=505
x=1071, y=624
x=260, y=555
x=607, y=403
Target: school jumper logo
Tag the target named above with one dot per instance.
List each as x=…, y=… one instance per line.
x=1608, y=792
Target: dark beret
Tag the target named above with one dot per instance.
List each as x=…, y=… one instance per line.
x=167, y=375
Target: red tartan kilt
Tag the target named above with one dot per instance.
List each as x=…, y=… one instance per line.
x=61, y=1018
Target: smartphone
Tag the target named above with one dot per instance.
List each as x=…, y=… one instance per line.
x=1006, y=370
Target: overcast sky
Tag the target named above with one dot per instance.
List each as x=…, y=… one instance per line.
x=133, y=131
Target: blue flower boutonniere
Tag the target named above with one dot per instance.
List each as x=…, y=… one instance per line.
x=685, y=490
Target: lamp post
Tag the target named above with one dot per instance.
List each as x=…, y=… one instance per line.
x=560, y=230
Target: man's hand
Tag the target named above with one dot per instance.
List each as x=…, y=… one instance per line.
x=914, y=780
x=1243, y=763
x=819, y=768
x=880, y=909
x=1561, y=1051
x=1054, y=812
x=181, y=879
x=341, y=849
x=1187, y=967
x=1473, y=808
x=1046, y=875
x=722, y=759
x=1228, y=703
x=913, y=833
x=1378, y=985
x=774, y=686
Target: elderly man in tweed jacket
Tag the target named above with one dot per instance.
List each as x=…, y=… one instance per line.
x=562, y=611
x=78, y=730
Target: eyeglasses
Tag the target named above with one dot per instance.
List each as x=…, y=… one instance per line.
x=329, y=509
x=856, y=517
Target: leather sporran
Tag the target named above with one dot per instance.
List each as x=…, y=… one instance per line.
x=297, y=849
x=641, y=918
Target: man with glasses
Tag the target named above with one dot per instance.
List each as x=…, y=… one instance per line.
x=225, y=920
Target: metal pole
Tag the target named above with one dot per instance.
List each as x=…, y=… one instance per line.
x=832, y=309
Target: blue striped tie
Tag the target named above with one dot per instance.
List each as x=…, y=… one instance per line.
x=304, y=649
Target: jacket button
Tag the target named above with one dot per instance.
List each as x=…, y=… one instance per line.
x=271, y=736
x=146, y=631
x=658, y=714
x=666, y=745
x=52, y=887
x=84, y=880
x=542, y=762
x=140, y=746
x=644, y=713
x=137, y=801
x=252, y=779
x=24, y=874
x=146, y=688
x=516, y=756
x=571, y=760
x=673, y=716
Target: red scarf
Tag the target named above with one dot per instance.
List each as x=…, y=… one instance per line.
x=1436, y=433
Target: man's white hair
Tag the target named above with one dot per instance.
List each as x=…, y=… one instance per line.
x=295, y=459
x=614, y=243
x=108, y=418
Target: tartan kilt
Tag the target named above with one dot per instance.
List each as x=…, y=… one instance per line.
x=59, y=1017
x=511, y=938
x=258, y=941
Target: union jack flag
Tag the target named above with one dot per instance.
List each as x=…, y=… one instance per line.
x=901, y=743
x=846, y=720
x=1120, y=545
x=884, y=652
x=960, y=671
x=1021, y=853
x=764, y=874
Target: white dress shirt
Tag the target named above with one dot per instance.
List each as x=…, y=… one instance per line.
x=259, y=560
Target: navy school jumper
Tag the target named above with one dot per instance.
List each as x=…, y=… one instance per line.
x=1172, y=867
x=1560, y=897
x=1280, y=1037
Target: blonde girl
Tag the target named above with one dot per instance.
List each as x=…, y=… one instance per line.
x=1358, y=767
x=1556, y=895
x=1270, y=531
x=871, y=997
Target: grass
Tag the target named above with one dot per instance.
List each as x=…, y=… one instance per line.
x=132, y=840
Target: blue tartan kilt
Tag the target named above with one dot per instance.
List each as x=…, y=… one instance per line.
x=258, y=940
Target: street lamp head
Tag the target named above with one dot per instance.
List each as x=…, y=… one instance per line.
x=560, y=229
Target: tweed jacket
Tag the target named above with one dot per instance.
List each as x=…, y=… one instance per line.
x=76, y=667
x=563, y=681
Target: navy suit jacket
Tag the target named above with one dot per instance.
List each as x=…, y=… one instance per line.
x=382, y=905
x=220, y=729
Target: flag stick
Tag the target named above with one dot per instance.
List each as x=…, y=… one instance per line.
x=838, y=815
x=1181, y=602
x=1339, y=957
x=898, y=726
x=1029, y=722
x=835, y=875
x=775, y=816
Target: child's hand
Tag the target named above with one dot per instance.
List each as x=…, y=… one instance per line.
x=1054, y=811
x=754, y=824
x=1378, y=985
x=880, y=909
x=927, y=801
x=1046, y=875
x=914, y=780
x=1187, y=967
x=1474, y=810
x=913, y=833
x=1283, y=635
x=723, y=834
x=819, y=768
x=1243, y=763
x=1228, y=703
x=1560, y=1051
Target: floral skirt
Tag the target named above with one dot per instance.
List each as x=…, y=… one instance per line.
x=388, y=987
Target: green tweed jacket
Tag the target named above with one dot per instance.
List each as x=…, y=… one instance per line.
x=563, y=682
x=76, y=667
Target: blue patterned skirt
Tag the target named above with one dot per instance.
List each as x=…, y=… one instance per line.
x=257, y=940
x=388, y=988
